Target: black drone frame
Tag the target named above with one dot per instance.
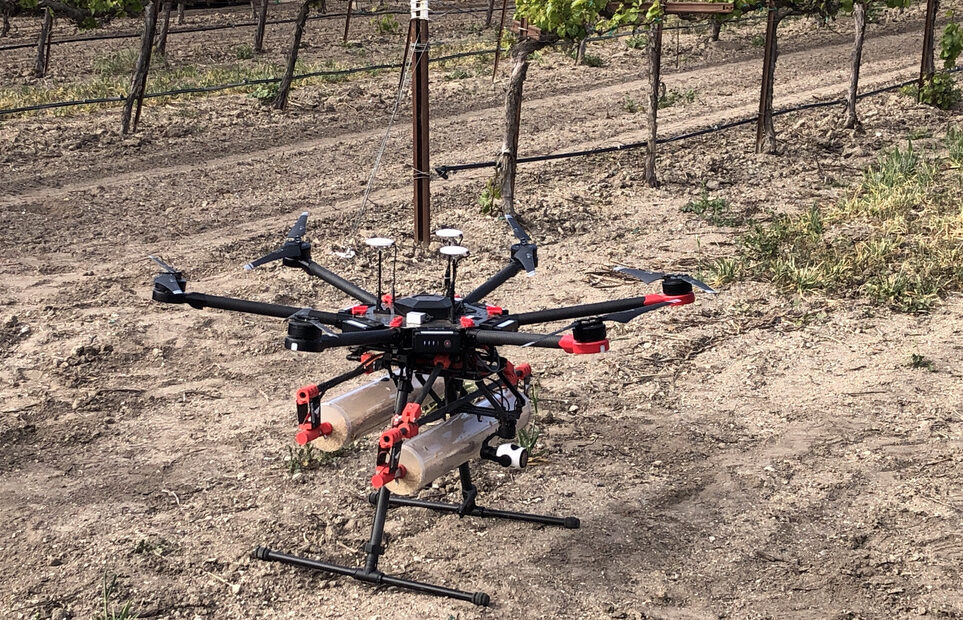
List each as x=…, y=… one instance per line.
x=454, y=349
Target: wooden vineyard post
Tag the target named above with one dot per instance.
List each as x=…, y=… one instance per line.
x=139, y=80
x=655, y=79
x=765, y=133
x=43, y=44
x=927, y=67
x=347, y=21
x=259, y=33
x=281, y=100
x=419, y=120
x=165, y=26
x=488, y=13
x=180, y=13
x=859, y=21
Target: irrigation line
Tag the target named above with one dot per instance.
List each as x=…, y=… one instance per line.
x=132, y=35
x=444, y=171
x=241, y=84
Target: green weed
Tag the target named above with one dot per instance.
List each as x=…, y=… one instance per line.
x=715, y=211
x=672, y=97
x=306, y=458
x=898, y=240
x=109, y=611
x=920, y=362
x=116, y=63
x=244, y=52
x=387, y=24
x=637, y=42
x=631, y=105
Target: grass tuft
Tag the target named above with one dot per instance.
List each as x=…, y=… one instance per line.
x=898, y=240
x=715, y=211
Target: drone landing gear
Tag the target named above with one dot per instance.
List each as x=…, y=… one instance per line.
x=382, y=499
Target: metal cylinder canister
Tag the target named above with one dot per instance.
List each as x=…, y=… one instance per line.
x=356, y=413
x=440, y=448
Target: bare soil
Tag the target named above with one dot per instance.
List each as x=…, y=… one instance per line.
x=749, y=456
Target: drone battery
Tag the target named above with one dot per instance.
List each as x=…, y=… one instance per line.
x=441, y=448
x=357, y=413
x=436, y=341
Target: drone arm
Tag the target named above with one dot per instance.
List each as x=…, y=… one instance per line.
x=362, y=338
x=202, y=300
x=339, y=283
x=518, y=339
x=505, y=274
x=584, y=310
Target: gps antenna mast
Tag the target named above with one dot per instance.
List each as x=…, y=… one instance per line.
x=419, y=118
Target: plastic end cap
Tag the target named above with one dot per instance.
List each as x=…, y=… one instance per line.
x=481, y=599
x=248, y=267
x=261, y=553
x=572, y=523
x=530, y=274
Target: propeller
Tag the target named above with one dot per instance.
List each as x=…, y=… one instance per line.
x=304, y=314
x=294, y=247
x=524, y=251
x=171, y=278
x=653, y=276
x=623, y=316
x=517, y=229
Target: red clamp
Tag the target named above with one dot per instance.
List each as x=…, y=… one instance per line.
x=387, y=299
x=442, y=360
x=411, y=412
x=509, y=373
x=359, y=310
x=383, y=475
x=304, y=395
x=398, y=321
x=307, y=433
x=523, y=371
x=494, y=310
x=466, y=321
x=395, y=435
x=570, y=345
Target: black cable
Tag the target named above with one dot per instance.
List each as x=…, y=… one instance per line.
x=133, y=35
x=241, y=84
x=444, y=171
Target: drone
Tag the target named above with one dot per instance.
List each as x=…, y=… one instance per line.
x=442, y=395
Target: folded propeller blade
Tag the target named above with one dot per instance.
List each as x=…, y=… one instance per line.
x=653, y=276
x=517, y=229
x=168, y=279
x=285, y=252
x=623, y=316
x=300, y=227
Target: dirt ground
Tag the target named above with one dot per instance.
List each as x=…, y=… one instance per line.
x=751, y=455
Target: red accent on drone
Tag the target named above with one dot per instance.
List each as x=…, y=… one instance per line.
x=398, y=321
x=383, y=475
x=467, y=321
x=509, y=373
x=307, y=433
x=305, y=394
x=494, y=310
x=523, y=371
x=387, y=299
x=570, y=345
x=411, y=412
x=679, y=300
x=368, y=360
x=359, y=310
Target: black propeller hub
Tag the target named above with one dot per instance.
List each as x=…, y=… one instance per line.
x=294, y=256
x=589, y=330
x=672, y=285
x=303, y=335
